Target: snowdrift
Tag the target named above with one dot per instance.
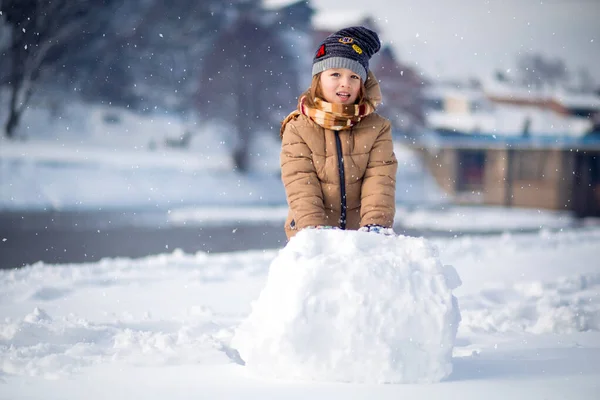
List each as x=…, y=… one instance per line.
x=353, y=307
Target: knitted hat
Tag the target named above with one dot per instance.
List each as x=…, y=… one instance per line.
x=349, y=48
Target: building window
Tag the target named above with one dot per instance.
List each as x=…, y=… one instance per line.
x=595, y=169
x=471, y=167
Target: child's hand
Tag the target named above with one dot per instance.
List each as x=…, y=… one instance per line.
x=378, y=229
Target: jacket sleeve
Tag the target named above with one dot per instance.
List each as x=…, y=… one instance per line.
x=302, y=186
x=378, y=194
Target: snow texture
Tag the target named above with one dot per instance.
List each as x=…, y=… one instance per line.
x=353, y=307
x=530, y=328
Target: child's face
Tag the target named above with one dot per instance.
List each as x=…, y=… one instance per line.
x=340, y=85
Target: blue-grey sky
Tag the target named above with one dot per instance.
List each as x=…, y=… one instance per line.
x=460, y=38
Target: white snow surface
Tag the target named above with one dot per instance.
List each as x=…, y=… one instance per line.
x=353, y=307
x=162, y=326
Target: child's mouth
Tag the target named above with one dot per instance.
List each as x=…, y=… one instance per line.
x=343, y=96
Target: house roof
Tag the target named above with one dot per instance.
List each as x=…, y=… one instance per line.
x=524, y=109
x=510, y=120
x=484, y=141
x=578, y=100
x=445, y=91
x=561, y=96
x=504, y=90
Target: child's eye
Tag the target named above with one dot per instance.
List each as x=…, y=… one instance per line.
x=336, y=74
x=355, y=77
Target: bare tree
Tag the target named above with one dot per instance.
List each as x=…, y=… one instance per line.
x=403, y=99
x=247, y=79
x=4, y=42
x=39, y=33
x=157, y=47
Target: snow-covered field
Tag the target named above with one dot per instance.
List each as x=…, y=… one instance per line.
x=161, y=327
x=87, y=161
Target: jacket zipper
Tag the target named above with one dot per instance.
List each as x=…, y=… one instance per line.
x=340, y=157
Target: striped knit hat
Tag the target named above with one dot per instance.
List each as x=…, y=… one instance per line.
x=349, y=48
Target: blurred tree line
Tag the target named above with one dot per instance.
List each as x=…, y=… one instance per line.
x=235, y=62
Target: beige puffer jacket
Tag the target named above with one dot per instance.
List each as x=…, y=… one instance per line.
x=311, y=174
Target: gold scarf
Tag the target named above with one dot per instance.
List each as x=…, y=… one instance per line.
x=332, y=116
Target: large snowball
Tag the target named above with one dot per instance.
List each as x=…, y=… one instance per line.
x=355, y=307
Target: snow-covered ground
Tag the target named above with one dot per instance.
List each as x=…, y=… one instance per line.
x=96, y=157
x=161, y=327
